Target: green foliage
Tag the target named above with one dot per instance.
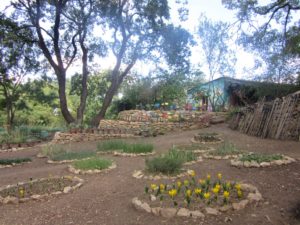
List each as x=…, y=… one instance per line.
x=259, y=158
x=66, y=155
x=14, y=161
x=184, y=156
x=52, y=150
x=164, y=164
x=92, y=164
x=119, y=145
x=224, y=149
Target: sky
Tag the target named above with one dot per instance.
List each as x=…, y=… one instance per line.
x=214, y=10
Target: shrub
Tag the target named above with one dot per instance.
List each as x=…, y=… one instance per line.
x=93, y=163
x=259, y=158
x=14, y=161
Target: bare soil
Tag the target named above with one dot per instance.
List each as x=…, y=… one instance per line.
x=105, y=198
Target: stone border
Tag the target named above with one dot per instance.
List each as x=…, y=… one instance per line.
x=253, y=164
x=197, y=151
x=253, y=196
x=14, y=164
x=22, y=148
x=207, y=142
x=117, y=153
x=15, y=200
x=72, y=169
x=139, y=174
x=218, y=157
x=199, y=159
x=66, y=161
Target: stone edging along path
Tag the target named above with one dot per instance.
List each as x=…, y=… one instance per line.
x=218, y=157
x=207, y=142
x=22, y=148
x=139, y=174
x=78, y=171
x=13, y=165
x=286, y=160
x=117, y=153
x=253, y=196
x=15, y=200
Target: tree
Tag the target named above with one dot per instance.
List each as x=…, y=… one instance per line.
x=219, y=58
x=271, y=30
x=61, y=28
x=17, y=59
x=140, y=32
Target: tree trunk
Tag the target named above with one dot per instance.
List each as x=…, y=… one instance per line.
x=63, y=98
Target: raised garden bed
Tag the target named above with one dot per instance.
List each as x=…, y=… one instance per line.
x=261, y=160
x=91, y=166
x=207, y=138
x=14, y=161
x=38, y=189
x=195, y=198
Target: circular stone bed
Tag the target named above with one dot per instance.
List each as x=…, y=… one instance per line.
x=257, y=160
x=158, y=203
x=218, y=157
x=38, y=189
x=139, y=174
x=72, y=169
x=207, y=138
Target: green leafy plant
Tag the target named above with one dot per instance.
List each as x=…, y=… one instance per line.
x=110, y=145
x=119, y=145
x=93, y=163
x=226, y=148
x=259, y=158
x=164, y=164
x=185, y=156
x=72, y=155
x=14, y=161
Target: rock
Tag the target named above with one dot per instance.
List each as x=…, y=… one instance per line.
x=211, y=211
x=278, y=162
x=10, y=200
x=197, y=214
x=156, y=177
x=248, y=187
x=265, y=164
x=183, y=212
x=1, y=199
x=22, y=200
x=254, y=164
x=227, y=219
x=67, y=189
x=77, y=185
x=152, y=198
x=225, y=208
x=246, y=164
x=254, y=197
x=145, y=206
x=156, y=211
x=168, y=212
x=136, y=203
x=57, y=193
x=241, y=205
x=36, y=197
x=138, y=174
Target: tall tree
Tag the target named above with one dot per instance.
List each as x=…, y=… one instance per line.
x=17, y=59
x=140, y=32
x=61, y=28
x=271, y=30
x=218, y=56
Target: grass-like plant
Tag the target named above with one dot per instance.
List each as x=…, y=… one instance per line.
x=185, y=156
x=51, y=150
x=164, y=164
x=226, y=148
x=192, y=147
x=119, y=145
x=259, y=158
x=92, y=164
x=72, y=155
x=14, y=161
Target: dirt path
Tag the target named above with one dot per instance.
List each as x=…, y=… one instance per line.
x=105, y=199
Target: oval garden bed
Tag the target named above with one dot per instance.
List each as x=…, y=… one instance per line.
x=195, y=198
x=226, y=150
x=122, y=148
x=38, y=189
x=261, y=160
x=207, y=138
x=91, y=166
x=13, y=162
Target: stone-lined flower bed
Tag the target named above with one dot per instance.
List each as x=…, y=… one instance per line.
x=256, y=161
x=72, y=169
x=139, y=174
x=38, y=189
x=207, y=138
x=125, y=154
x=192, y=199
x=218, y=157
x=4, y=163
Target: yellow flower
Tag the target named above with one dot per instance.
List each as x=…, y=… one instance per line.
x=21, y=192
x=208, y=177
x=238, y=187
x=188, y=193
x=226, y=194
x=186, y=182
x=179, y=184
x=197, y=191
x=162, y=187
x=191, y=173
x=218, y=186
x=206, y=195
x=216, y=190
x=173, y=193
x=219, y=176
x=240, y=193
x=202, y=182
x=228, y=185
x=154, y=187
